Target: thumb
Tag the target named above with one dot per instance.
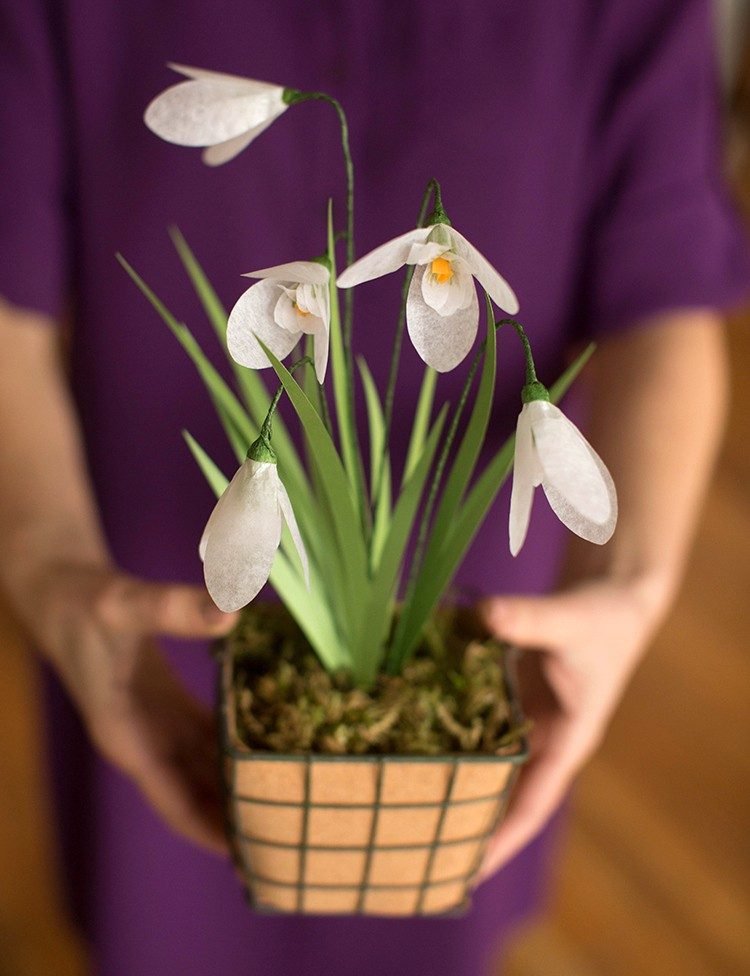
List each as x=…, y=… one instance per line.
x=547, y=622
x=139, y=607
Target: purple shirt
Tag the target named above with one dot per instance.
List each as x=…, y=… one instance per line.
x=576, y=145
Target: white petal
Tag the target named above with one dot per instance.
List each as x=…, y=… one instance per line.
x=208, y=111
x=388, y=257
x=222, y=152
x=443, y=341
x=493, y=283
x=304, y=272
x=450, y=296
x=424, y=253
x=525, y=477
x=577, y=484
x=250, y=84
x=253, y=316
x=287, y=511
x=321, y=340
x=285, y=313
x=245, y=534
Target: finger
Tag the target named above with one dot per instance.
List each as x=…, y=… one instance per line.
x=546, y=622
x=541, y=788
x=137, y=607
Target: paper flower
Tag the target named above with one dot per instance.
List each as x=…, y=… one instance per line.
x=550, y=451
x=442, y=312
x=292, y=300
x=241, y=537
x=223, y=112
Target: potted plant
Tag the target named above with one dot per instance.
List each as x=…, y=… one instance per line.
x=369, y=737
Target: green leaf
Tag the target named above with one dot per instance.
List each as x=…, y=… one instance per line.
x=421, y=420
x=251, y=386
x=339, y=369
x=468, y=453
x=309, y=608
x=375, y=421
x=338, y=492
x=215, y=477
x=229, y=408
x=369, y=647
x=440, y=571
x=311, y=611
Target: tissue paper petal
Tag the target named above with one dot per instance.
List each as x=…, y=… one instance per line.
x=287, y=511
x=254, y=315
x=577, y=484
x=493, y=283
x=442, y=341
x=383, y=260
x=244, y=536
x=525, y=477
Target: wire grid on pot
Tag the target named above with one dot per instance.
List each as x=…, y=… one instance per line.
x=372, y=835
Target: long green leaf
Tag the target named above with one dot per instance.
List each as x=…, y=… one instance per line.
x=231, y=409
x=251, y=386
x=338, y=491
x=309, y=607
x=379, y=455
x=433, y=583
x=213, y=474
x=421, y=420
x=471, y=444
x=339, y=368
x=369, y=649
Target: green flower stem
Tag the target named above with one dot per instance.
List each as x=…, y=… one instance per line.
x=533, y=389
x=393, y=664
x=293, y=97
x=266, y=427
x=432, y=191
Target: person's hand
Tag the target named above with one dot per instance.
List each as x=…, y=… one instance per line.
x=581, y=646
x=96, y=626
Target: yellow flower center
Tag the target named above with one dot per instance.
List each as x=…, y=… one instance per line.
x=301, y=311
x=441, y=268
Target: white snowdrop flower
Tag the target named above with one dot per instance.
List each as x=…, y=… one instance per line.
x=292, y=300
x=550, y=451
x=222, y=112
x=241, y=537
x=442, y=312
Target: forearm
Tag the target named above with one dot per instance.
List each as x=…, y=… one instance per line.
x=658, y=399
x=47, y=508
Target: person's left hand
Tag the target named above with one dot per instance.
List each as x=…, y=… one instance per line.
x=582, y=644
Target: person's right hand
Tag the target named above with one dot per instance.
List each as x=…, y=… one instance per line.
x=96, y=625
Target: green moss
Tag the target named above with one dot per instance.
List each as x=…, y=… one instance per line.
x=451, y=697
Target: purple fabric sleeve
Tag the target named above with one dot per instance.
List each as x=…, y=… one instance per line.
x=34, y=224
x=663, y=234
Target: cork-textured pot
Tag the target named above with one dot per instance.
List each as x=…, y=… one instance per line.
x=360, y=835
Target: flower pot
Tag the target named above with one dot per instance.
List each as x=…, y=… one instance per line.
x=360, y=835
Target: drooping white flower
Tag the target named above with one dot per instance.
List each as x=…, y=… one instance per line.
x=241, y=537
x=442, y=312
x=550, y=451
x=292, y=300
x=222, y=112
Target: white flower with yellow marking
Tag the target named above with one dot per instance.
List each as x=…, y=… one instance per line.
x=239, y=543
x=442, y=312
x=292, y=300
x=221, y=112
x=550, y=451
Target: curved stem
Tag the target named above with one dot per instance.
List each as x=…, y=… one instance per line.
x=432, y=190
x=266, y=426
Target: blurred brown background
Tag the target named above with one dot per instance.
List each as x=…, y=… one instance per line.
x=654, y=878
